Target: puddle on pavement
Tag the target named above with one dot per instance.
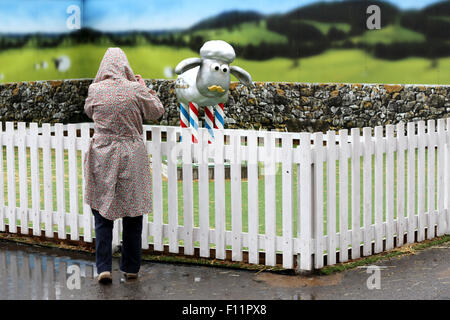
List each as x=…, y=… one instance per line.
x=283, y=281
x=31, y=273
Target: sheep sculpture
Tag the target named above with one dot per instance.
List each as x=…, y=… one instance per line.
x=205, y=82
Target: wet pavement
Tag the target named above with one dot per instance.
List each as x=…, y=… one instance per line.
x=31, y=272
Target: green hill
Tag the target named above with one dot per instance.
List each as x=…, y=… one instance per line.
x=325, y=27
x=242, y=34
x=352, y=12
x=389, y=34
x=227, y=19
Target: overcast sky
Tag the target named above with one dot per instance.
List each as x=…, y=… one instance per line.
x=20, y=16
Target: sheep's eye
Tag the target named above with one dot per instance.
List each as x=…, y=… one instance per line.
x=224, y=68
x=215, y=66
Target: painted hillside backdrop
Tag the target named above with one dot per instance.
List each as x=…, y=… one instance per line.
x=284, y=40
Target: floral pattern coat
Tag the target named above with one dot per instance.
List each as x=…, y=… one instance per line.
x=117, y=169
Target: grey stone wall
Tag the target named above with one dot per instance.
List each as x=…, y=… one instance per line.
x=281, y=106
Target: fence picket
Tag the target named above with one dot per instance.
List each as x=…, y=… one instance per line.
x=379, y=150
x=11, y=171
x=188, y=193
x=270, y=169
x=48, y=185
x=286, y=178
x=306, y=208
x=236, y=197
x=172, y=187
x=331, y=197
x=252, y=186
x=35, y=190
x=318, y=199
x=367, y=190
x=87, y=213
x=2, y=182
x=440, y=177
x=73, y=180
x=447, y=178
x=390, y=174
x=116, y=232
x=421, y=170
x=356, y=197
x=145, y=224
x=343, y=195
x=219, y=193
x=411, y=181
x=430, y=224
x=60, y=195
x=401, y=142
x=23, y=177
x=157, y=190
x=203, y=192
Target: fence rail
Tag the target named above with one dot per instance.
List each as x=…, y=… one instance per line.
x=308, y=199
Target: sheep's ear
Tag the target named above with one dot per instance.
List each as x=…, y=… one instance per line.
x=187, y=64
x=241, y=74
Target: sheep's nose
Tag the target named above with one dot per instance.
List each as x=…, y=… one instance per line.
x=216, y=88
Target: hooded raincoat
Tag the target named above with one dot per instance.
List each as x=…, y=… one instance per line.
x=117, y=169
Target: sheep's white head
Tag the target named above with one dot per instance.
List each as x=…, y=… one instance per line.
x=213, y=78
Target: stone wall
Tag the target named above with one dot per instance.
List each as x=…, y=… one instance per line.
x=282, y=106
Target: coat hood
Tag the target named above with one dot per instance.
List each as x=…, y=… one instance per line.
x=114, y=65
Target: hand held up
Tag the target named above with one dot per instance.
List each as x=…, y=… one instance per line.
x=140, y=80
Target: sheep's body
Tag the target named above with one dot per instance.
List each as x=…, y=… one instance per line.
x=187, y=91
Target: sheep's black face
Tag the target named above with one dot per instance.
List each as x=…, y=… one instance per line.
x=213, y=78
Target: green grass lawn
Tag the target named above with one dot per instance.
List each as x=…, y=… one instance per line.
x=347, y=66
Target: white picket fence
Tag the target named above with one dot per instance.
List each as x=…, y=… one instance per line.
x=309, y=200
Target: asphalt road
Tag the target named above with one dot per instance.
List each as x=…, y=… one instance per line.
x=30, y=272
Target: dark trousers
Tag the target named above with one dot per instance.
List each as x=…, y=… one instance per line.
x=130, y=260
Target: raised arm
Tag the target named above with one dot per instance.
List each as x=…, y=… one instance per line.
x=149, y=103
